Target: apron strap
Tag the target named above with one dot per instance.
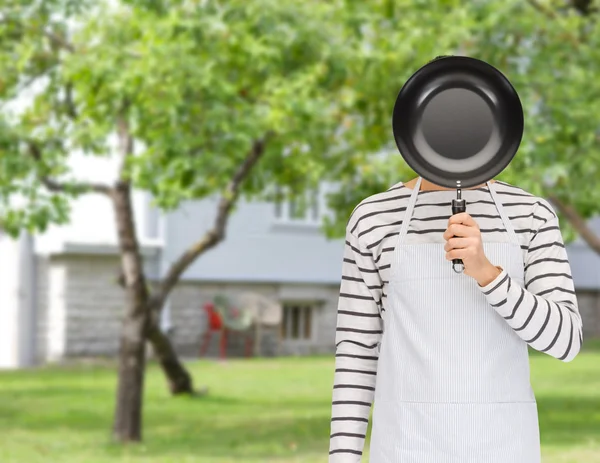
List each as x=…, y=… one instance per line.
x=507, y=224
x=409, y=210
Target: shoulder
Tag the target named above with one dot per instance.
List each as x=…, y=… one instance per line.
x=379, y=208
x=540, y=208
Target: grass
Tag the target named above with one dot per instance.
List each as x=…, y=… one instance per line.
x=259, y=410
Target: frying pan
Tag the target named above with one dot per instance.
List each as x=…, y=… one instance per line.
x=458, y=122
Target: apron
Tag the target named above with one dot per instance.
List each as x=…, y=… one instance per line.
x=453, y=381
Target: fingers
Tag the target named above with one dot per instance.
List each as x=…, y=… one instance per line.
x=463, y=254
x=463, y=218
x=461, y=231
x=460, y=243
x=463, y=237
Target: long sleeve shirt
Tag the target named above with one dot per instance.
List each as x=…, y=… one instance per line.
x=544, y=313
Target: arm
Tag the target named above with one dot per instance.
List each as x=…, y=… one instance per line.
x=544, y=313
x=359, y=330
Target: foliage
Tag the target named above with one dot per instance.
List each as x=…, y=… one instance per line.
x=551, y=56
x=202, y=80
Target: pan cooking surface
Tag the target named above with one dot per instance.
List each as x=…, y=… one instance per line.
x=457, y=123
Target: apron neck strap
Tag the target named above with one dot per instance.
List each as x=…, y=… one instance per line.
x=409, y=209
x=512, y=236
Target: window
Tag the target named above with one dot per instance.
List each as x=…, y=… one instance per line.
x=306, y=208
x=297, y=324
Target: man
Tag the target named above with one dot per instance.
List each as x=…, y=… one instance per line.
x=443, y=355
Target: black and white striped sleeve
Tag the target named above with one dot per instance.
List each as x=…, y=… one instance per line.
x=358, y=333
x=545, y=313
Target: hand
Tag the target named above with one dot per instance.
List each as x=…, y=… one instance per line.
x=463, y=241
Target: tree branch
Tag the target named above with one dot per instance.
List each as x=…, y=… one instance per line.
x=584, y=7
x=54, y=38
x=56, y=186
x=217, y=233
x=543, y=9
x=578, y=223
x=70, y=104
x=125, y=141
x=59, y=41
x=551, y=14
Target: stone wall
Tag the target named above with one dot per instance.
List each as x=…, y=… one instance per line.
x=95, y=306
x=80, y=311
x=189, y=318
x=589, y=307
x=79, y=307
x=41, y=308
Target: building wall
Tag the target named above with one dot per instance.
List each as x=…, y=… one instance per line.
x=589, y=307
x=258, y=246
x=189, y=318
x=42, y=266
x=80, y=311
x=95, y=305
x=79, y=307
x=17, y=301
x=10, y=304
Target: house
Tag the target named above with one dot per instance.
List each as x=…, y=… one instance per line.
x=64, y=281
x=59, y=297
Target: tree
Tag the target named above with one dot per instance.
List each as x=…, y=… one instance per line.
x=550, y=54
x=204, y=98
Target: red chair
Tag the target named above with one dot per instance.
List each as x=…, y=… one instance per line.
x=216, y=325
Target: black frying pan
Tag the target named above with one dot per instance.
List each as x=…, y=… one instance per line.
x=458, y=122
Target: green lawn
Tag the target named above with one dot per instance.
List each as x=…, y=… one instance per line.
x=257, y=411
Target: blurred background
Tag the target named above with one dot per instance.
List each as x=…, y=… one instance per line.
x=175, y=180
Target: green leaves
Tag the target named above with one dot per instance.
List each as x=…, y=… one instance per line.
x=552, y=65
x=201, y=81
x=559, y=93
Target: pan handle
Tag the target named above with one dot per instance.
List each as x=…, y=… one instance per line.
x=458, y=205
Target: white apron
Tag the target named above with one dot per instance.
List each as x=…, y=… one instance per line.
x=453, y=380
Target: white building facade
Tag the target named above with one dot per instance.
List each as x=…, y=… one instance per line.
x=59, y=297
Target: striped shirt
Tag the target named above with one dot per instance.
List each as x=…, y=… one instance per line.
x=544, y=313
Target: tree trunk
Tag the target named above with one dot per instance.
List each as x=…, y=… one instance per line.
x=178, y=379
x=577, y=221
x=132, y=359
x=128, y=410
